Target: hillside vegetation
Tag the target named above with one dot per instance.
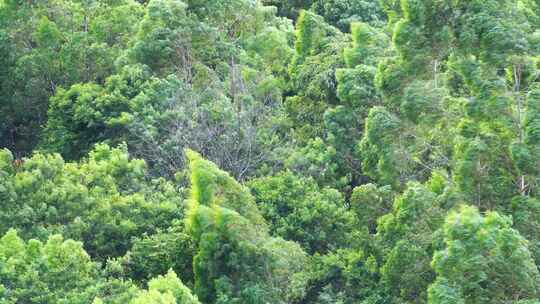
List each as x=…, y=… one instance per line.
x=269, y=152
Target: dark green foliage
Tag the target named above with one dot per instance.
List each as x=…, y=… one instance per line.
x=153, y=255
x=341, y=13
x=173, y=91
x=298, y=210
x=48, y=49
x=380, y=159
x=319, y=48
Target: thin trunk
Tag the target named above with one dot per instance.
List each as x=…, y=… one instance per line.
x=522, y=185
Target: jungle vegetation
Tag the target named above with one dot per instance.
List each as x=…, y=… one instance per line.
x=269, y=151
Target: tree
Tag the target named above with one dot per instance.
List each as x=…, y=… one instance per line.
x=483, y=260
x=369, y=203
x=341, y=13
x=58, y=271
x=319, y=48
x=155, y=254
x=298, y=210
x=104, y=200
x=380, y=151
x=407, y=234
x=186, y=81
x=167, y=289
x=48, y=48
x=236, y=260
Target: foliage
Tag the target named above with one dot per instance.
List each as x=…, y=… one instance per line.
x=57, y=271
x=166, y=289
x=49, y=49
x=407, y=234
x=155, y=254
x=269, y=151
x=484, y=259
x=298, y=210
x=103, y=201
x=236, y=260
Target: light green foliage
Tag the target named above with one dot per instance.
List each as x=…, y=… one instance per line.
x=488, y=126
x=106, y=197
x=298, y=210
x=57, y=271
x=310, y=31
x=484, y=260
x=370, y=202
x=272, y=48
x=406, y=234
x=212, y=187
x=320, y=161
x=237, y=261
x=154, y=297
x=162, y=35
x=346, y=276
x=443, y=41
x=167, y=289
x=99, y=113
x=368, y=45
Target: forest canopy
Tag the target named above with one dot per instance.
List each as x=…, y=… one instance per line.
x=269, y=151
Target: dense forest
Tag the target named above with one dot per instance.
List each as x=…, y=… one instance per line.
x=269, y=151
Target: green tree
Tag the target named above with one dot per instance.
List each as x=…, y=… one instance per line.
x=236, y=260
x=51, y=45
x=154, y=254
x=484, y=260
x=407, y=234
x=103, y=201
x=319, y=48
x=298, y=210
x=341, y=13
x=369, y=203
x=167, y=289
x=57, y=271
